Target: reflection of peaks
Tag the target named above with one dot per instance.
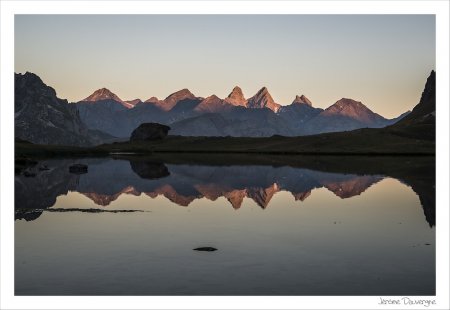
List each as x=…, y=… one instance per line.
x=104, y=200
x=170, y=193
x=347, y=188
x=261, y=196
x=353, y=187
x=236, y=197
x=209, y=191
x=301, y=196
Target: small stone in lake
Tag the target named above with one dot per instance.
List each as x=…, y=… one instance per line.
x=78, y=168
x=205, y=249
x=427, y=244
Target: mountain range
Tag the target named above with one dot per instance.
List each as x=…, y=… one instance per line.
x=41, y=117
x=257, y=116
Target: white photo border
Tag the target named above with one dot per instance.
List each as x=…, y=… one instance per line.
x=9, y=8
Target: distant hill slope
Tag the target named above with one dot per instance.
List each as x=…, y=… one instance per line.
x=41, y=117
x=346, y=114
x=236, y=122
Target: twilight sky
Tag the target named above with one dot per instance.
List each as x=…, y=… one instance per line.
x=380, y=60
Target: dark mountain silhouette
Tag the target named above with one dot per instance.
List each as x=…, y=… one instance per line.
x=41, y=117
x=421, y=122
x=427, y=104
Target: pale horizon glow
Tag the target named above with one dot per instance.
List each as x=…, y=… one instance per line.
x=381, y=60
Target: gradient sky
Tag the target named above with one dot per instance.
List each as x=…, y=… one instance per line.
x=380, y=60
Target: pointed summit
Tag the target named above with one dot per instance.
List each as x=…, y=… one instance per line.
x=183, y=93
x=302, y=100
x=103, y=94
x=152, y=100
x=236, y=97
x=212, y=104
x=173, y=98
x=133, y=102
x=354, y=110
x=427, y=103
x=262, y=196
x=263, y=99
x=236, y=197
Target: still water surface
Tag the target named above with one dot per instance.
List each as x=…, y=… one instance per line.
x=130, y=227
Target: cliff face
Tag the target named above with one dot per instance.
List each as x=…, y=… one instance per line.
x=421, y=122
x=41, y=117
x=427, y=104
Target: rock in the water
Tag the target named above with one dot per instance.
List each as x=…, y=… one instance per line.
x=78, y=169
x=149, y=132
x=205, y=249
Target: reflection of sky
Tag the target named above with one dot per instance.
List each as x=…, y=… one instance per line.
x=368, y=244
x=381, y=60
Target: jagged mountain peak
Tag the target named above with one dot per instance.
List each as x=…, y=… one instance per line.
x=211, y=98
x=346, y=105
x=425, y=110
x=236, y=93
x=30, y=77
x=182, y=93
x=302, y=100
x=33, y=81
x=354, y=110
x=103, y=94
x=236, y=97
x=152, y=100
x=134, y=101
x=212, y=104
x=263, y=99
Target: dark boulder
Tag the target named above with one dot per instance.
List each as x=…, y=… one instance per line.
x=78, y=169
x=149, y=132
x=205, y=249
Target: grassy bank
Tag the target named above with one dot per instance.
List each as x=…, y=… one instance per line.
x=357, y=142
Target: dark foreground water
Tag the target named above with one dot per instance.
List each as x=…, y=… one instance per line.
x=130, y=227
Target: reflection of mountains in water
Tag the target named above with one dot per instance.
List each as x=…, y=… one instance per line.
x=108, y=179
